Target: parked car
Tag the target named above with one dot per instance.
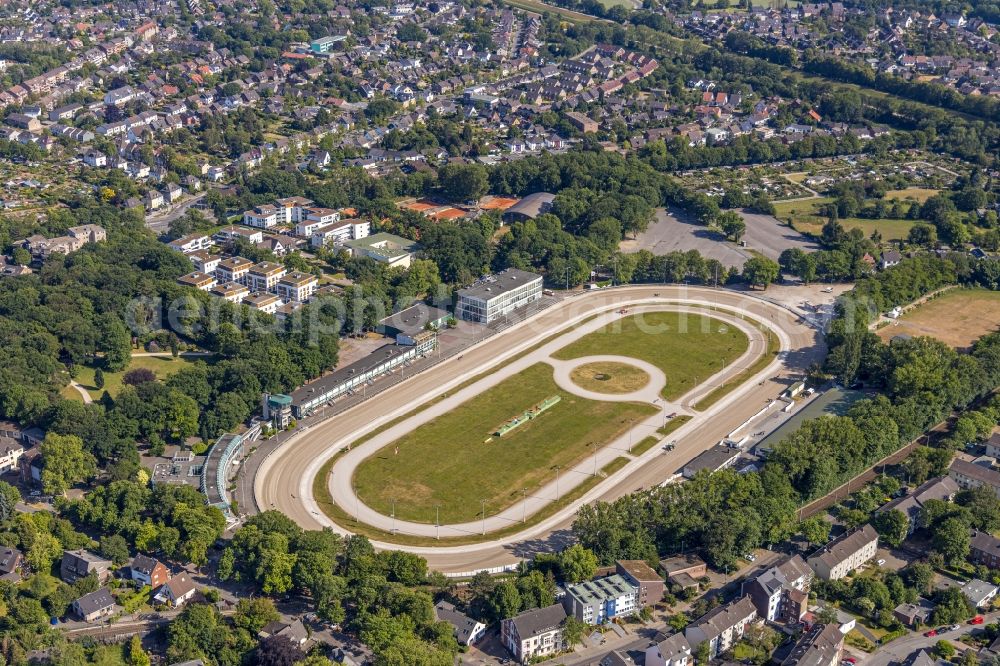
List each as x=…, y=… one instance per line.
x=750, y=557
x=931, y=633
x=881, y=563
x=977, y=620
x=955, y=627
x=850, y=660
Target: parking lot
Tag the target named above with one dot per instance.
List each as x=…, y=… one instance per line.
x=767, y=235
x=675, y=231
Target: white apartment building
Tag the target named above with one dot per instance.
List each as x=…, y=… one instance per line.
x=198, y=280
x=264, y=277
x=297, y=287
x=205, y=262
x=845, y=553
x=234, y=292
x=314, y=219
x=233, y=269
x=191, y=243
x=340, y=232
x=262, y=217
x=267, y=303
x=11, y=451
x=292, y=210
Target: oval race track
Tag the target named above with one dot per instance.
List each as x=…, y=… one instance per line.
x=284, y=480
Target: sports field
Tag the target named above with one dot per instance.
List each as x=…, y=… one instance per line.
x=687, y=347
x=455, y=461
x=957, y=317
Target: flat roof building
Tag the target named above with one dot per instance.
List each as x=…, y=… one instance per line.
x=384, y=248
x=597, y=601
x=356, y=376
x=407, y=324
x=496, y=296
x=716, y=458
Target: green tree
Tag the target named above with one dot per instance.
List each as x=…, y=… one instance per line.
x=505, y=601
x=461, y=182
x=253, y=614
x=136, y=655
x=732, y=225
x=573, y=631
x=99, y=378
x=9, y=497
x=951, y=539
x=760, y=272
x=577, y=563
x=117, y=344
x=64, y=463
x=815, y=530
x=892, y=526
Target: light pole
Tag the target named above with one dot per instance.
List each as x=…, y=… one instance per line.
x=484, y=516
x=393, y=516
x=357, y=506
x=437, y=520
x=557, y=483
x=524, y=505
x=595, y=458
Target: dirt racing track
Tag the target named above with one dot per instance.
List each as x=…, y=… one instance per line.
x=285, y=479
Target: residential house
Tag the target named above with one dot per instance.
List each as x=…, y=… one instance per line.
x=915, y=614
x=11, y=451
x=10, y=564
x=845, y=553
x=890, y=259
x=77, y=564
x=149, y=571
x=177, y=591
x=94, y=606
x=722, y=626
x=153, y=200
x=534, y=633
x=993, y=445
x=979, y=592
x=294, y=631
x=781, y=593
x=467, y=630
x=821, y=645
x=984, y=548
x=941, y=488
x=669, y=651
x=970, y=475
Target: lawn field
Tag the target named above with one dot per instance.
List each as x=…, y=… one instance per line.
x=163, y=366
x=455, y=461
x=609, y=377
x=957, y=317
x=889, y=228
x=687, y=347
x=919, y=194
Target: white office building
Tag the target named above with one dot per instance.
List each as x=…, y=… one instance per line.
x=496, y=296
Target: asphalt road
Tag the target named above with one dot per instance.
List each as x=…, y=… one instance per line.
x=898, y=650
x=283, y=481
x=158, y=222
